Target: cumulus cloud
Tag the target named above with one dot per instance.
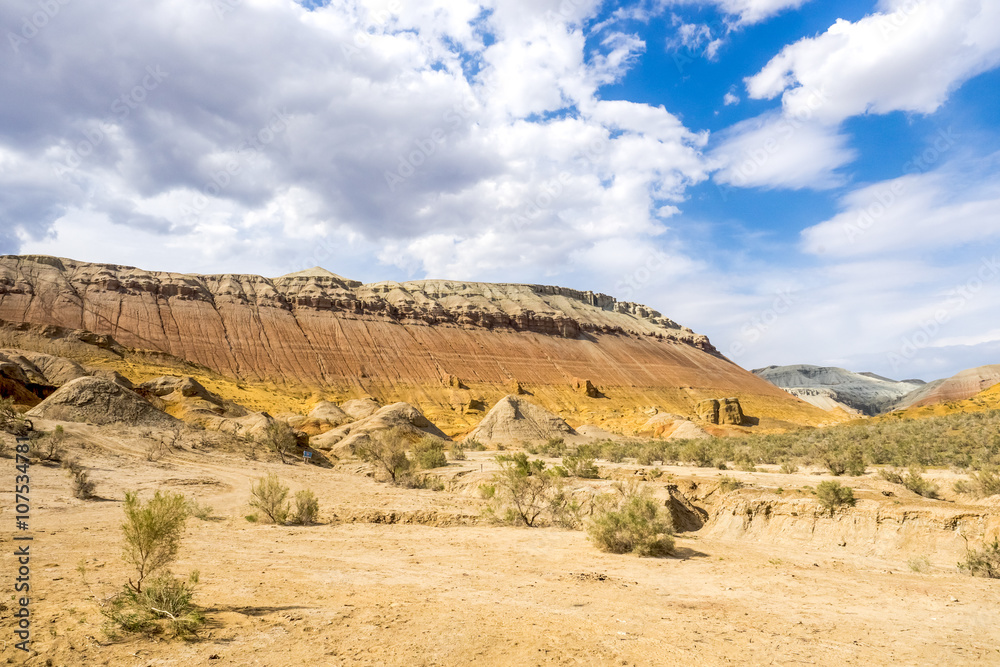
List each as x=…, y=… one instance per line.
x=908, y=56
x=435, y=134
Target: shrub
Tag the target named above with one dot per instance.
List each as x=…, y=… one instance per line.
x=913, y=481
x=306, y=508
x=919, y=563
x=270, y=496
x=83, y=486
x=10, y=419
x=279, y=438
x=473, y=445
x=788, y=468
x=832, y=495
x=580, y=466
x=51, y=448
x=637, y=526
x=152, y=532
x=982, y=485
x=387, y=452
x=428, y=453
x=199, y=511
x=983, y=562
x=457, y=452
x=521, y=490
x=729, y=484
x=165, y=600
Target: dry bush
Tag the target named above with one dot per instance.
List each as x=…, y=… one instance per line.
x=457, y=452
x=428, y=453
x=387, y=452
x=306, y=508
x=581, y=466
x=983, y=562
x=164, y=603
x=270, y=496
x=50, y=448
x=83, y=486
x=635, y=523
x=522, y=490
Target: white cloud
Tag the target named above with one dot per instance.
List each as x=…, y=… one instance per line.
x=730, y=99
x=906, y=57
x=774, y=151
x=755, y=11
x=275, y=132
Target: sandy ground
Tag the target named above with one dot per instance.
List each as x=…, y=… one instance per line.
x=346, y=593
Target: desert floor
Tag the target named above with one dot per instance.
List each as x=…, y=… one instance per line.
x=443, y=589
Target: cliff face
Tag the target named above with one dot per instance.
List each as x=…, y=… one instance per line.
x=403, y=341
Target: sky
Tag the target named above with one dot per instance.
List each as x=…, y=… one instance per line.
x=802, y=181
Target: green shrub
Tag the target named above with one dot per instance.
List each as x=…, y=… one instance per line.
x=83, y=487
x=580, y=466
x=912, y=480
x=832, y=495
x=982, y=485
x=428, y=453
x=306, y=508
x=11, y=420
x=983, y=562
x=457, y=452
x=522, y=490
x=152, y=532
x=473, y=445
x=199, y=511
x=637, y=525
x=270, y=496
x=788, y=468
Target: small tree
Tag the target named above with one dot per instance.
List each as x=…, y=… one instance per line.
x=279, y=438
x=83, y=486
x=522, y=489
x=306, y=507
x=983, y=562
x=832, y=495
x=387, y=452
x=152, y=532
x=270, y=496
x=51, y=446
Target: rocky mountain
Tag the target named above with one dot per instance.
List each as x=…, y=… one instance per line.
x=958, y=387
x=832, y=388
x=451, y=348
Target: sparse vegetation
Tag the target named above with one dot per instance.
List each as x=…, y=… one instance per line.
x=919, y=563
x=728, y=484
x=198, y=510
x=981, y=485
x=636, y=524
x=983, y=562
x=270, y=496
x=912, y=480
x=83, y=487
x=50, y=447
x=832, y=495
x=11, y=420
x=306, y=508
x=580, y=466
x=165, y=602
x=457, y=452
x=428, y=453
x=473, y=445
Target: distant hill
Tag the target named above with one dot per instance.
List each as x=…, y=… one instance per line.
x=958, y=387
x=832, y=388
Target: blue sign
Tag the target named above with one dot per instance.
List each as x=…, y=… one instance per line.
x=307, y=455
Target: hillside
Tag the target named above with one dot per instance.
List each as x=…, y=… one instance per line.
x=959, y=387
x=451, y=348
x=832, y=388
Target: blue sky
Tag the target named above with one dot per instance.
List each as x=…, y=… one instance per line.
x=803, y=181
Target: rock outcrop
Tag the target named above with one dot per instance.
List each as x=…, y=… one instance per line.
x=403, y=419
x=828, y=387
x=100, y=401
x=672, y=427
x=514, y=420
x=726, y=411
